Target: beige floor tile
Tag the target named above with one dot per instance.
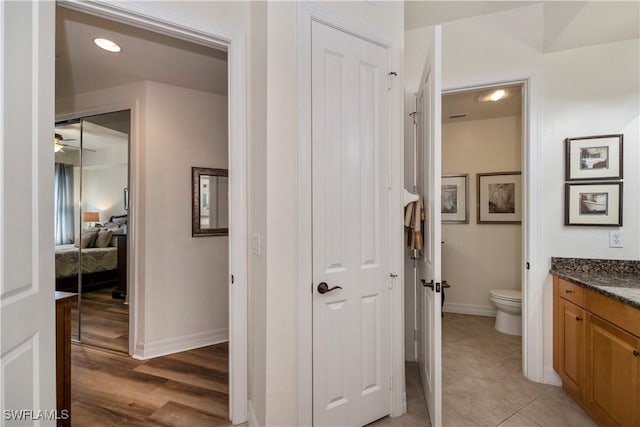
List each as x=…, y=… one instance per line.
x=556, y=409
x=518, y=420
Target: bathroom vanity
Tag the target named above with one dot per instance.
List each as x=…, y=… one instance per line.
x=596, y=336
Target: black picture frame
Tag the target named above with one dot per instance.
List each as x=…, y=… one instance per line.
x=593, y=204
x=594, y=158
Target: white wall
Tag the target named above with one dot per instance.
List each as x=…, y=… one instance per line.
x=586, y=91
x=479, y=257
x=182, y=293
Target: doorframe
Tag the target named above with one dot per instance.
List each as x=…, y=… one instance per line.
x=233, y=42
x=532, y=279
x=307, y=14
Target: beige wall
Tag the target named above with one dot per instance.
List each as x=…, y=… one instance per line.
x=182, y=293
x=479, y=257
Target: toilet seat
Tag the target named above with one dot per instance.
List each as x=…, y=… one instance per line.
x=506, y=295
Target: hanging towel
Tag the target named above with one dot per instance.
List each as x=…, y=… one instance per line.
x=414, y=216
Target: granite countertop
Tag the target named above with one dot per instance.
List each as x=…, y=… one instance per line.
x=616, y=279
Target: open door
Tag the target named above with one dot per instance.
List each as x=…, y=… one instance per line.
x=27, y=375
x=428, y=152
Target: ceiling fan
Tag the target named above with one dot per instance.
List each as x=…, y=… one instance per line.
x=59, y=145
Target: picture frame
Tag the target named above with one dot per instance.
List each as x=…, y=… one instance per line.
x=455, y=198
x=593, y=204
x=594, y=158
x=209, y=202
x=499, y=198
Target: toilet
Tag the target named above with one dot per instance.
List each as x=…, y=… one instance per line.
x=508, y=303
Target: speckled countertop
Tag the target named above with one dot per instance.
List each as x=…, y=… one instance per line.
x=616, y=279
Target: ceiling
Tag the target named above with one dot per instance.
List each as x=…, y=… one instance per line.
x=566, y=25
x=83, y=67
x=467, y=103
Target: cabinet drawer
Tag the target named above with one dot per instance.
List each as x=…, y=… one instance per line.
x=571, y=292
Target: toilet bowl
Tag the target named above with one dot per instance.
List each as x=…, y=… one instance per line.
x=508, y=304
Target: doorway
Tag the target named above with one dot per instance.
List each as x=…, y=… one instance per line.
x=483, y=225
x=150, y=150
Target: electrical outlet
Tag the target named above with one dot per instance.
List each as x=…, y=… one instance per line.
x=616, y=239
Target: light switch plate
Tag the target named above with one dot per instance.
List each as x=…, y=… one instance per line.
x=616, y=239
x=255, y=244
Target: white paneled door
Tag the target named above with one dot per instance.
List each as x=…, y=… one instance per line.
x=429, y=266
x=351, y=365
x=27, y=372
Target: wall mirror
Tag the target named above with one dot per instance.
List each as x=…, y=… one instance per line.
x=210, y=210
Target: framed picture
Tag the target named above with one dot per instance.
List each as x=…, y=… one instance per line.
x=597, y=204
x=499, y=198
x=593, y=157
x=455, y=199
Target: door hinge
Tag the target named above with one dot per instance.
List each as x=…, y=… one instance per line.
x=528, y=266
x=233, y=279
x=311, y=288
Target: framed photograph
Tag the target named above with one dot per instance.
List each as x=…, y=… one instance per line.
x=593, y=158
x=597, y=204
x=455, y=199
x=499, y=198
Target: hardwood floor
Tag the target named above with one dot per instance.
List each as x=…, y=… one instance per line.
x=105, y=321
x=183, y=389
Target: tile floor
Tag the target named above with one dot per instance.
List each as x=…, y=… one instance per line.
x=483, y=384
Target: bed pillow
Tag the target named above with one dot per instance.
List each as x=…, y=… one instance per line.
x=88, y=239
x=119, y=219
x=104, y=238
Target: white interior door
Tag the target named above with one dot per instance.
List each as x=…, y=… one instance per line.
x=351, y=347
x=429, y=265
x=27, y=373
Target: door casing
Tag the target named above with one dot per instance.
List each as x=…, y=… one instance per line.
x=307, y=13
x=234, y=43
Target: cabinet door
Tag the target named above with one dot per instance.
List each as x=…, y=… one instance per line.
x=612, y=362
x=572, y=348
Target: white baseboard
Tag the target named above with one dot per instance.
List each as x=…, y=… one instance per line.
x=150, y=350
x=473, y=309
x=253, y=420
x=551, y=377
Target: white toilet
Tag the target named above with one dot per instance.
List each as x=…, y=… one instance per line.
x=509, y=310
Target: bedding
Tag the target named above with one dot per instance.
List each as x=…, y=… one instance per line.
x=93, y=260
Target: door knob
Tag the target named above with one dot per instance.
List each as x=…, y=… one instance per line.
x=445, y=284
x=323, y=288
x=428, y=285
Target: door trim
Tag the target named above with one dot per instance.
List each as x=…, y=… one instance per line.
x=233, y=42
x=533, y=294
x=308, y=13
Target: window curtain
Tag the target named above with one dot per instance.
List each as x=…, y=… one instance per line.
x=63, y=204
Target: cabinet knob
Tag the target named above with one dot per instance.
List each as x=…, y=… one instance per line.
x=636, y=353
x=578, y=318
x=568, y=291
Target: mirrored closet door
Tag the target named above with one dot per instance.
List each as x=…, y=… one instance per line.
x=92, y=227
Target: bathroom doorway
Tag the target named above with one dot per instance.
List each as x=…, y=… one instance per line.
x=483, y=202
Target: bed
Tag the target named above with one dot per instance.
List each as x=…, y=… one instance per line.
x=99, y=267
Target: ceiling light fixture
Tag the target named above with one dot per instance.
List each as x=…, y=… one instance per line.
x=493, y=95
x=107, y=45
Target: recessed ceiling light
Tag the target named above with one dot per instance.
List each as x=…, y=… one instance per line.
x=107, y=45
x=493, y=95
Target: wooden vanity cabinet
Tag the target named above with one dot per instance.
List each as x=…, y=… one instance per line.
x=572, y=355
x=613, y=364
x=596, y=355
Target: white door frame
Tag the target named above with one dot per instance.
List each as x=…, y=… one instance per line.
x=151, y=18
x=307, y=13
x=532, y=279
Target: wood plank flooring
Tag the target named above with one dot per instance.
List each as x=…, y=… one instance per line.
x=179, y=390
x=105, y=321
